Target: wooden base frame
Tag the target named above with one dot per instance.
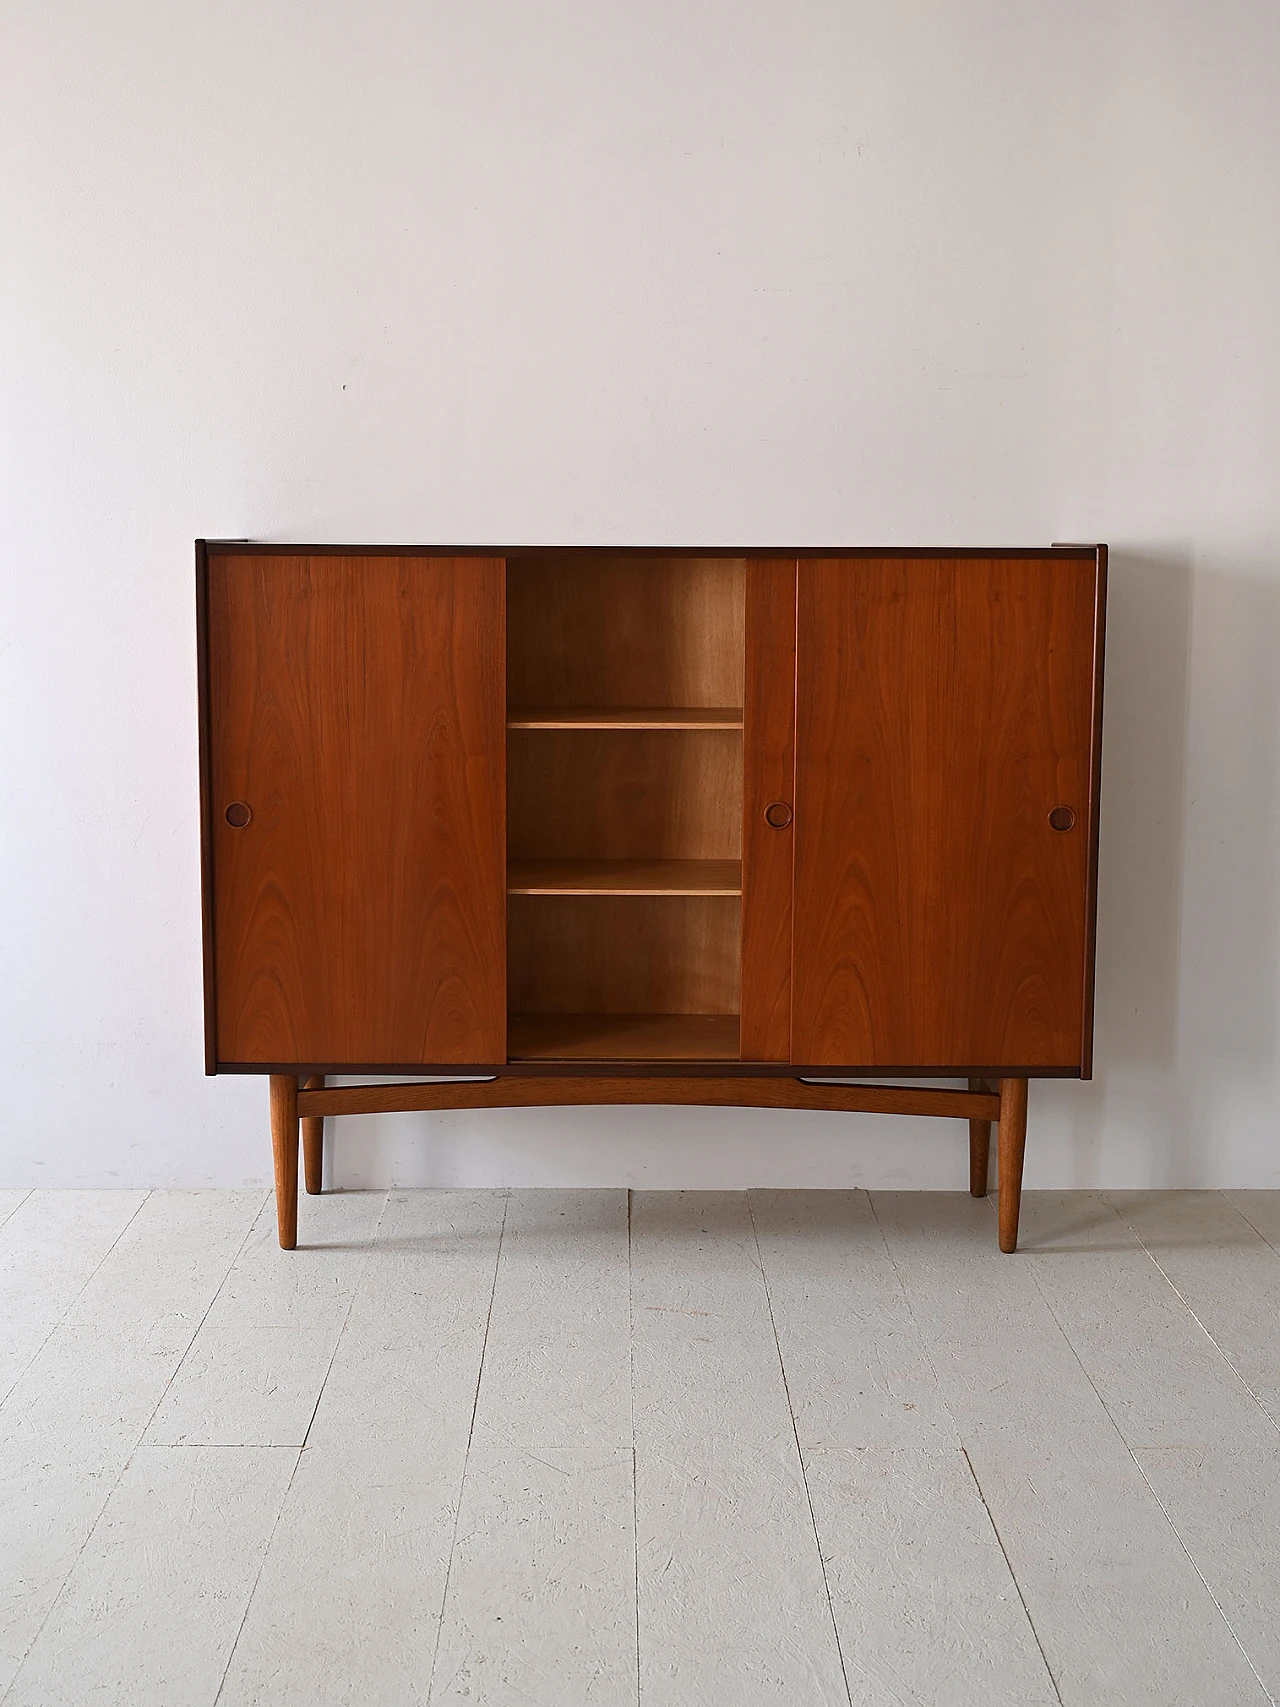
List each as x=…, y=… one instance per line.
x=299, y=1114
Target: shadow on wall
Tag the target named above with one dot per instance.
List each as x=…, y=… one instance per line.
x=1229, y=1022
x=1144, y=752
x=1186, y=1002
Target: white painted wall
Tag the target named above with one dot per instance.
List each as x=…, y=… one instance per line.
x=791, y=271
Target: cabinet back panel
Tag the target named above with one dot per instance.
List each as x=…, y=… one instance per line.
x=356, y=705
x=624, y=631
x=623, y=794
x=667, y=955
x=944, y=709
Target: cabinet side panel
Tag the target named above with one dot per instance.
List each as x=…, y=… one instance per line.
x=357, y=708
x=769, y=711
x=945, y=708
x=1095, y=788
x=206, y=809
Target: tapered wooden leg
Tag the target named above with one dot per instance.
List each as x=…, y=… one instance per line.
x=1012, y=1144
x=284, y=1145
x=313, y=1142
x=979, y=1148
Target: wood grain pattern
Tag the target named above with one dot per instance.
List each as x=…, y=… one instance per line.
x=283, y=1096
x=943, y=708
x=357, y=705
x=550, y=1090
x=1012, y=1141
x=621, y=1037
x=629, y=717
x=979, y=1149
x=666, y=954
x=768, y=773
x=624, y=877
x=608, y=630
x=624, y=794
x=313, y=1144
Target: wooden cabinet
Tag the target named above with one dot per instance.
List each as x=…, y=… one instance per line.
x=612, y=826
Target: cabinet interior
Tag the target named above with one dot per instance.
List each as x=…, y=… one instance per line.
x=624, y=806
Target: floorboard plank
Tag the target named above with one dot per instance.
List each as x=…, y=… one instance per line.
x=81, y=1406
x=557, y=1479
x=256, y=1368
x=541, y=1601
x=150, y=1611
x=9, y=1201
x=49, y=1247
x=1120, y=1611
x=856, y=1367
x=923, y=1599
x=1225, y=1269
x=1209, y=1451
x=348, y=1605
x=541, y=1594
x=732, y=1600
x=557, y=1361
x=1261, y=1209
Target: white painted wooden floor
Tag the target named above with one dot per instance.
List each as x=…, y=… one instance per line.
x=566, y=1447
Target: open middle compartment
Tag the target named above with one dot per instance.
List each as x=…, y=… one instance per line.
x=624, y=806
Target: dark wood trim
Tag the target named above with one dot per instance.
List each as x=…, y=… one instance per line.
x=579, y=1069
x=504, y=763
x=509, y=1092
x=1095, y=790
x=768, y=780
x=206, y=807
x=421, y=1069
x=267, y=548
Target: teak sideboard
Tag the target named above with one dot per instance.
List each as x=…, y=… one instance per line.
x=608, y=826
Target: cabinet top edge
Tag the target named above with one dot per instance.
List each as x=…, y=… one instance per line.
x=267, y=548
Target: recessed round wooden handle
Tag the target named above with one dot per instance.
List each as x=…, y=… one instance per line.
x=1062, y=818
x=237, y=814
x=777, y=816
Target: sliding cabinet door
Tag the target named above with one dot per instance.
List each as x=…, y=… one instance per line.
x=354, y=765
x=944, y=806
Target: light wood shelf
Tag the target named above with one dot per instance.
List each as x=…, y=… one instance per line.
x=624, y=877
x=628, y=717
x=622, y=1037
